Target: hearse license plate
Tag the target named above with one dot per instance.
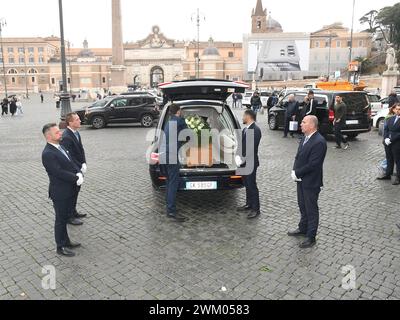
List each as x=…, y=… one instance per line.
x=351, y=122
x=202, y=185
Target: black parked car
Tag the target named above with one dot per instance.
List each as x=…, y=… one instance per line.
x=205, y=98
x=358, y=119
x=141, y=109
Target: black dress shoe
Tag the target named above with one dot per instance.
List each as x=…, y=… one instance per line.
x=296, y=233
x=63, y=251
x=309, y=243
x=75, y=222
x=80, y=216
x=177, y=217
x=245, y=208
x=73, y=245
x=254, y=214
x=384, y=178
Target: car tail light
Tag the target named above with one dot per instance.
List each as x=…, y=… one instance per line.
x=331, y=115
x=155, y=158
x=369, y=113
x=236, y=177
x=162, y=178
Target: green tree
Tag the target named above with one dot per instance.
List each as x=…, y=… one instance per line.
x=385, y=21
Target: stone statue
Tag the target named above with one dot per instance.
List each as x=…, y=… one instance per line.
x=391, y=60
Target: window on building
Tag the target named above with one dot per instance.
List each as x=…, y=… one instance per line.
x=41, y=49
x=349, y=43
x=69, y=80
x=21, y=60
x=258, y=24
x=31, y=60
x=327, y=43
x=13, y=80
x=11, y=60
x=227, y=77
x=53, y=81
x=361, y=43
x=10, y=50
x=317, y=44
x=41, y=59
x=231, y=54
x=33, y=79
x=31, y=49
x=21, y=50
x=338, y=44
x=12, y=71
x=1, y=60
x=104, y=80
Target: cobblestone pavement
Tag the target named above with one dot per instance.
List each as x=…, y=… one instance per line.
x=131, y=251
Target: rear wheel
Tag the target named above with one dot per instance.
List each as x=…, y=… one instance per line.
x=272, y=122
x=378, y=123
x=147, y=121
x=98, y=122
x=352, y=135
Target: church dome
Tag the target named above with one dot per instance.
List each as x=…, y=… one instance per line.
x=211, y=50
x=273, y=25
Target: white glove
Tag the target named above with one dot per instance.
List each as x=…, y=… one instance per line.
x=238, y=161
x=388, y=142
x=80, y=180
x=294, y=177
x=84, y=168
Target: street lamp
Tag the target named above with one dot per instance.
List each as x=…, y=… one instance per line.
x=198, y=17
x=70, y=68
x=64, y=97
x=351, y=37
x=3, y=23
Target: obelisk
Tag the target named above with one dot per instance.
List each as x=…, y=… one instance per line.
x=118, y=69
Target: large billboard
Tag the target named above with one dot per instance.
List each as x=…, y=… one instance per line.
x=278, y=55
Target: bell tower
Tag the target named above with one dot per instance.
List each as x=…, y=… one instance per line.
x=259, y=19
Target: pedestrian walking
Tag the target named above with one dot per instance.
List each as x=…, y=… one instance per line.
x=20, y=110
x=250, y=161
x=41, y=98
x=170, y=160
x=65, y=178
x=234, y=98
x=339, y=123
x=13, y=106
x=4, y=107
x=72, y=141
x=57, y=99
x=393, y=99
x=292, y=109
x=255, y=102
x=239, y=100
x=392, y=146
x=308, y=174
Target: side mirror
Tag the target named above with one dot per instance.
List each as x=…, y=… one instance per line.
x=112, y=106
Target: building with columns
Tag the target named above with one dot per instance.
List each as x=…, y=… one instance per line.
x=34, y=64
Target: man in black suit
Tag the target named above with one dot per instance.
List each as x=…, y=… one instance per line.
x=72, y=141
x=170, y=160
x=65, y=178
x=249, y=163
x=308, y=174
x=392, y=145
x=309, y=105
x=292, y=110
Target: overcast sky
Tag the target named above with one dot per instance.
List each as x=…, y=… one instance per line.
x=225, y=19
